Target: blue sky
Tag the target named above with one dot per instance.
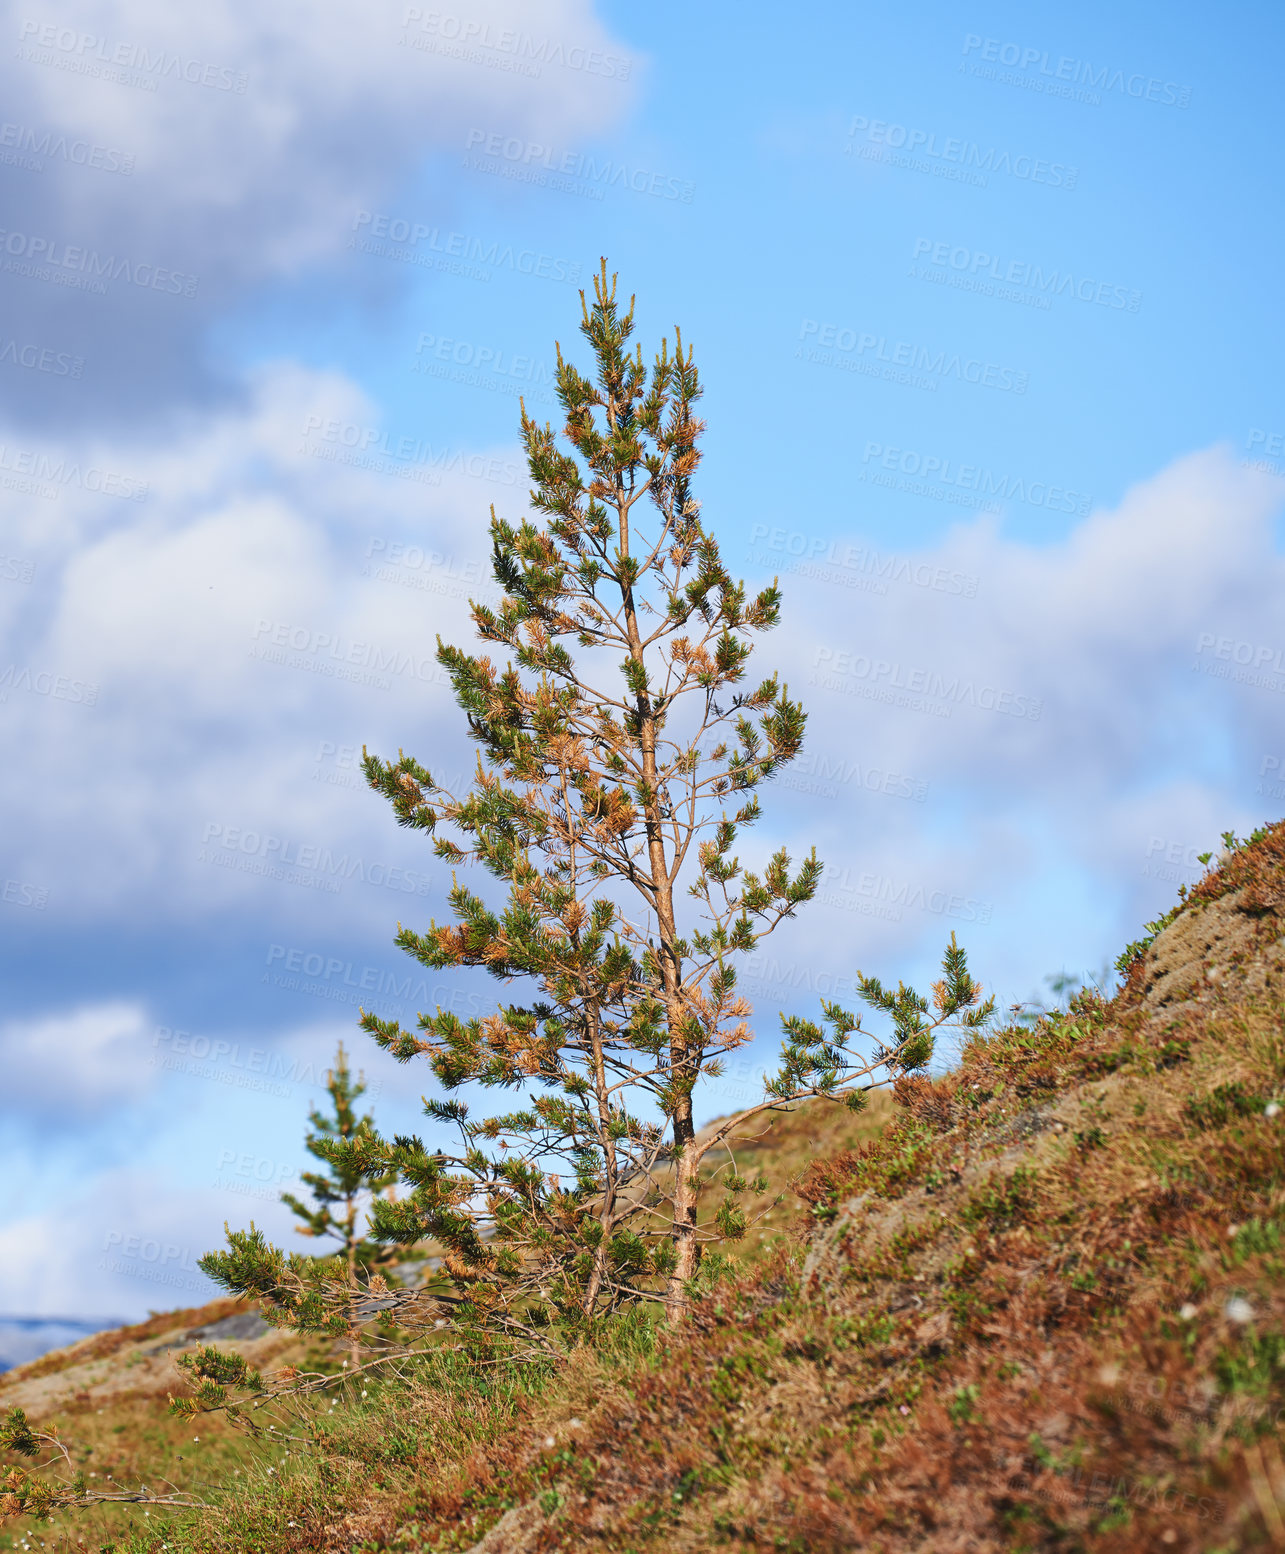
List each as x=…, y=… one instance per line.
x=987, y=309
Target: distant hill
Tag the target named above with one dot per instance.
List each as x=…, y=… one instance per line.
x=27, y=1338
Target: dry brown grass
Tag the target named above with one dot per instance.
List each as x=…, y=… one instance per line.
x=783, y=1146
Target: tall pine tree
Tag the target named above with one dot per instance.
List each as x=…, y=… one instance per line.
x=611, y=789
x=616, y=783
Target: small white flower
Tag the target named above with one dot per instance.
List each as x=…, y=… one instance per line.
x=1271, y=1110
x=549, y=1443
x=365, y=1394
x=1188, y=1312
x=1232, y=1230
x=577, y=1424
x=1238, y=1310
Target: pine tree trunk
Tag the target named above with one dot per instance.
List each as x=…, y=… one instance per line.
x=610, y=1183
x=355, y=1345
x=685, y=1203
x=686, y=1183
x=683, y=1231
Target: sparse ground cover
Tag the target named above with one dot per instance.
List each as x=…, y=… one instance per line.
x=107, y=1395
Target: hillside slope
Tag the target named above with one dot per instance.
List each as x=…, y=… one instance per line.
x=106, y=1395
x=1044, y=1310
x=1041, y=1308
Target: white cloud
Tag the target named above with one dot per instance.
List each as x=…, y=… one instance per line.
x=204, y=757
x=1100, y=627
x=328, y=105
x=314, y=113
x=127, y=1246
x=85, y=1061
x=231, y=630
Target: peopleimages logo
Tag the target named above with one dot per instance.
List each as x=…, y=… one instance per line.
x=1077, y=72
x=530, y=161
x=928, y=471
x=766, y=971
x=41, y=358
x=415, y=557
x=398, y=237
x=904, y=356
x=837, y=561
x=86, y=53
x=54, y=470
x=429, y=571
x=229, y=1063
x=146, y=1258
x=253, y=1176
x=327, y=653
x=836, y=669
x=46, y=682
x=956, y=262
x=23, y=894
x=1232, y=650
x=375, y=444
x=1170, y=860
x=34, y=144
x=1264, y=447
x=17, y=569
x=838, y=881
x=963, y=160
x=485, y=358
x=1258, y=664
x=283, y=853
x=331, y=976
x=441, y=32
x=823, y=775
x=48, y=258
x=487, y=367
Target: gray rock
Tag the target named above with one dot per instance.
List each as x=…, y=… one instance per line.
x=242, y=1325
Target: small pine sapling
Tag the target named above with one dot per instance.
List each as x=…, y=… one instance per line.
x=343, y=1194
